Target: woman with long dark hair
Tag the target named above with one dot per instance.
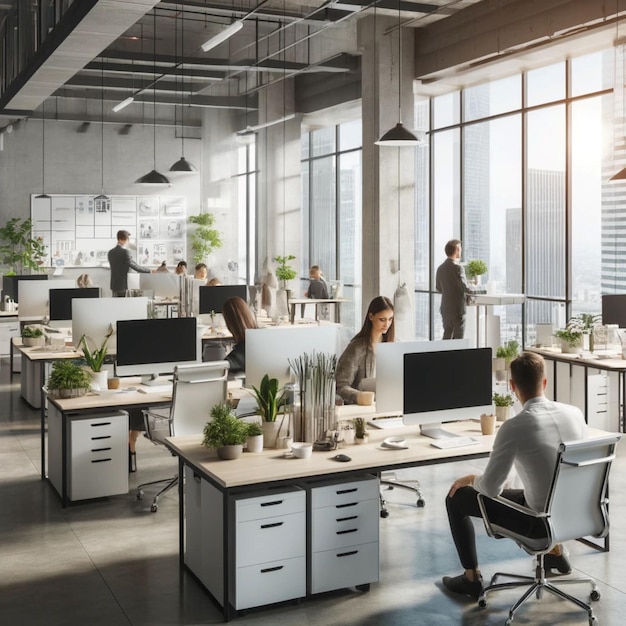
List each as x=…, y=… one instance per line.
x=237, y=317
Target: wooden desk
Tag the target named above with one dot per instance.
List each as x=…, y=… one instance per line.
x=211, y=525
x=317, y=302
x=62, y=412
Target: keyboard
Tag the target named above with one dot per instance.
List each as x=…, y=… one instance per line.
x=454, y=442
x=386, y=422
x=163, y=389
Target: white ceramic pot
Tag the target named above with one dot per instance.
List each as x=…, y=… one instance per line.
x=270, y=434
x=229, y=453
x=502, y=413
x=31, y=342
x=255, y=443
x=99, y=380
x=566, y=348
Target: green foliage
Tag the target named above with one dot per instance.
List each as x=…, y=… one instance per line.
x=588, y=320
x=475, y=267
x=18, y=249
x=574, y=330
x=254, y=429
x=94, y=358
x=503, y=399
x=268, y=398
x=359, y=427
x=284, y=271
x=224, y=429
x=67, y=374
x=31, y=332
x=204, y=238
x=508, y=351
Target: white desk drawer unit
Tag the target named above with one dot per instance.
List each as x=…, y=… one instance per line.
x=344, y=534
x=270, y=552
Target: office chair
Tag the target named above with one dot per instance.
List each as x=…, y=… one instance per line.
x=196, y=388
x=391, y=481
x=577, y=507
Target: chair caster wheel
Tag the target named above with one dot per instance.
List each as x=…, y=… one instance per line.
x=593, y=621
x=421, y=503
x=384, y=514
x=508, y=622
x=154, y=508
x=482, y=603
x=140, y=495
x=595, y=595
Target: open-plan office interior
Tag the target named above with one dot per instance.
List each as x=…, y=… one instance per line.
x=267, y=114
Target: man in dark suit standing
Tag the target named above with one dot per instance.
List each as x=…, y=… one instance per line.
x=121, y=261
x=451, y=284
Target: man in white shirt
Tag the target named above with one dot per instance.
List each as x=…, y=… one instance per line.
x=529, y=442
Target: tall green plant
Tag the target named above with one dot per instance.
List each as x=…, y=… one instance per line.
x=268, y=398
x=18, y=249
x=204, y=238
x=284, y=271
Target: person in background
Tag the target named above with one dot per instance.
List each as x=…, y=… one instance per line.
x=238, y=317
x=120, y=262
x=318, y=289
x=201, y=271
x=529, y=442
x=181, y=268
x=450, y=282
x=162, y=268
x=84, y=280
x=358, y=360
x=214, y=282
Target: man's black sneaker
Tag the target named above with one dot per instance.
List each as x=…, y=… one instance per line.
x=558, y=562
x=464, y=586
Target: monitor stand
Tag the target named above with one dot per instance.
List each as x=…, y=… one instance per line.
x=435, y=431
x=152, y=379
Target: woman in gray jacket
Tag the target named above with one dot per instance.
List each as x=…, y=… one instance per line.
x=358, y=360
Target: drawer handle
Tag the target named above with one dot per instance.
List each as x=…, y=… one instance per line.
x=351, y=553
x=345, y=532
x=343, y=506
x=100, y=460
x=274, y=525
x=346, y=491
x=100, y=424
x=103, y=437
x=272, y=569
x=100, y=449
x=346, y=519
x=273, y=503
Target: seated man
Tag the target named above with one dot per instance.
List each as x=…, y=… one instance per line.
x=529, y=442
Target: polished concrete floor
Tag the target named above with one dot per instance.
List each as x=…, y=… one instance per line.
x=113, y=562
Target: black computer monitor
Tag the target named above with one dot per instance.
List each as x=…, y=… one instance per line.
x=446, y=386
x=10, y=284
x=614, y=309
x=213, y=298
x=150, y=347
x=60, y=301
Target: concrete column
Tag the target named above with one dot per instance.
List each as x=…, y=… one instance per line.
x=388, y=173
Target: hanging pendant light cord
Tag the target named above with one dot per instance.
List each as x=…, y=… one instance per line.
x=102, y=124
x=154, y=87
x=399, y=65
x=182, y=84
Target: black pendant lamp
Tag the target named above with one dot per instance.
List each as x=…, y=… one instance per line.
x=153, y=178
x=399, y=136
x=43, y=195
x=102, y=198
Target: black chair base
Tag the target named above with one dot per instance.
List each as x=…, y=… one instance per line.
x=392, y=483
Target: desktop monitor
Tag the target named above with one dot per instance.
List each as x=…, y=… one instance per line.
x=614, y=309
x=268, y=350
x=390, y=368
x=10, y=284
x=446, y=386
x=61, y=303
x=150, y=347
x=95, y=322
x=162, y=285
x=213, y=298
x=34, y=297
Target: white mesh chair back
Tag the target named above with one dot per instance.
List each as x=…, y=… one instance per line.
x=197, y=388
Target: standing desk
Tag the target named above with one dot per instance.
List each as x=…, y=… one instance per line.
x=269, y=475
x=317, y=302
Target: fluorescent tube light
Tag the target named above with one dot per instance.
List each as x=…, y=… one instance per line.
x=227, y=33
x=124, y=103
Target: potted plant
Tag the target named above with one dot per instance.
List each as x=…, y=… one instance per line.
x=18, y=249
x=269, y=398
x=284, y=271
x=32, y=336
x=571, y=336
x=254, y=443
x=504, y=355
x=360, y=433
x=225, y=433
x=474, y=269
x=68, y=380
x=204, y=238
x=95, y=360
x=588, y=322
x=502, y=402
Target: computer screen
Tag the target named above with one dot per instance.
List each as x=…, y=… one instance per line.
x=614, y=309
x=34, y=297
x=161, y=284
x=150, y=347
x=390, y=368
x=213, y=298
x=95, y=322
x=268, y=350
x=61, y=301
x=10, y=284
x=446, y=386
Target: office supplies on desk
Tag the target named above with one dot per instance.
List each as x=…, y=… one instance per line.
x=454, y=442
x=386, y=422
x=396, y=443
x=155, y=389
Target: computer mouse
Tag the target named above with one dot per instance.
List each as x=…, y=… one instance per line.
x=342, y=458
